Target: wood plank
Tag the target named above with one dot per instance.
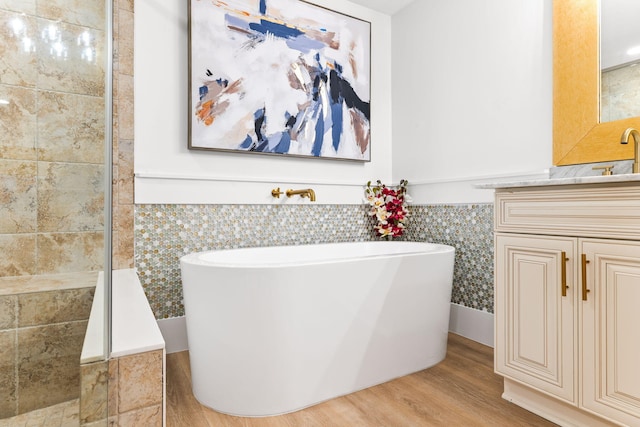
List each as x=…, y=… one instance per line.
x=182, y=407
x=462, y=390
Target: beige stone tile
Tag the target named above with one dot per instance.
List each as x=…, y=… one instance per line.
x=18, y=196
x=17, y=122
x=44, y=282
x=19, y=254
x=80, y=12
x=126, y=5
x=8, y=381
x=99, y=423
x=71, y=415
x=69, y=252
x=8, y=348
x=48, y=364
x=620, y=93
x=93, y=392
x=24, y=6
x=64, y=65
x=605, y=83
x=47, y=382
x=624, y=105
x=70, y=197
x=70, y=128
x=8, y=393
x=112, y=401
x=123, y=241
x=620, y=80
x=123, y=218
x=114, y=107
x=116, y=43
x=125, y=107
x=125, y=173
x=61, y=415
x=18, y=36
x=114, y=183
x=125, y=42
x=42, y=343
x=604, y=109
x=125, y=253
x=8, y=312
x=115, y=261
x=139, y=381
x=43, y=308
x=148, y=417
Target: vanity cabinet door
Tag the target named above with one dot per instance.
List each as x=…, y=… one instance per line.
x=610, y=330
x=535, y=340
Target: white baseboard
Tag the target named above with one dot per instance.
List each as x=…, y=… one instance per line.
x=470, y=323
x=174, y=332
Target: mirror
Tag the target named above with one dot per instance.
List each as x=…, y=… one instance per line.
x=578, y=134
x=619, y=59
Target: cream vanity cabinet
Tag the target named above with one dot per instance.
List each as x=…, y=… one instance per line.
x=567, y=301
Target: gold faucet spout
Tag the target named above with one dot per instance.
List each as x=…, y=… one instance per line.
x=307, y=192
x=626, y=136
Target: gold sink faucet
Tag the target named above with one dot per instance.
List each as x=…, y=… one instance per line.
x=636, y=138
x=307, y=192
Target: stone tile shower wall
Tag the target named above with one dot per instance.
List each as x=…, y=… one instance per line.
x=51, y=193
x=41, y=336
x=123, y=134
x=51, y=137
x=163, y=233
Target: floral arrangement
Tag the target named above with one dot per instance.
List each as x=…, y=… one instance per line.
x=387, y=205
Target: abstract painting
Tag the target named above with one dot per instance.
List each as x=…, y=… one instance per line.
x=283, y=77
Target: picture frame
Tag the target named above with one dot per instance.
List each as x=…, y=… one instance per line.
x=280, y=77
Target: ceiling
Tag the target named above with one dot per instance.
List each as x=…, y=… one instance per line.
x=388, y=7
x=619, y=31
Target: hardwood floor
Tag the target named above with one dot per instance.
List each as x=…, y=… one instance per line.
x=460, y=391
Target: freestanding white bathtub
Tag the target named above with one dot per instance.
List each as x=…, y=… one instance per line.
x=275, y=329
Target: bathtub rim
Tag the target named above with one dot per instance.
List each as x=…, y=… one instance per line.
x=203, y=258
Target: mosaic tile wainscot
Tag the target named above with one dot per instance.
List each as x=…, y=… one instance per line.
x=164, y=233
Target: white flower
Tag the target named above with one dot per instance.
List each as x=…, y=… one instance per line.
x=384, y=231
x=382, y=215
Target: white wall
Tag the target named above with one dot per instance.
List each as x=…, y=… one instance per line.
x=467, y=85
x=167, y=172
x=472, y=95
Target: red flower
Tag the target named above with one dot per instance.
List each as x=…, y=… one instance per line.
x=391, y=213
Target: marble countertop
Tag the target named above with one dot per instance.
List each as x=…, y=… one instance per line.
x=562, y=181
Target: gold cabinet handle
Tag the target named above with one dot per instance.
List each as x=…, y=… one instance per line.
x=563, y=268
x=585, y=291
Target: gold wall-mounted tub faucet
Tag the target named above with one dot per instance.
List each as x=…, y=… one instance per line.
x=636, y=138
x=307, y=192
x=276, y=193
